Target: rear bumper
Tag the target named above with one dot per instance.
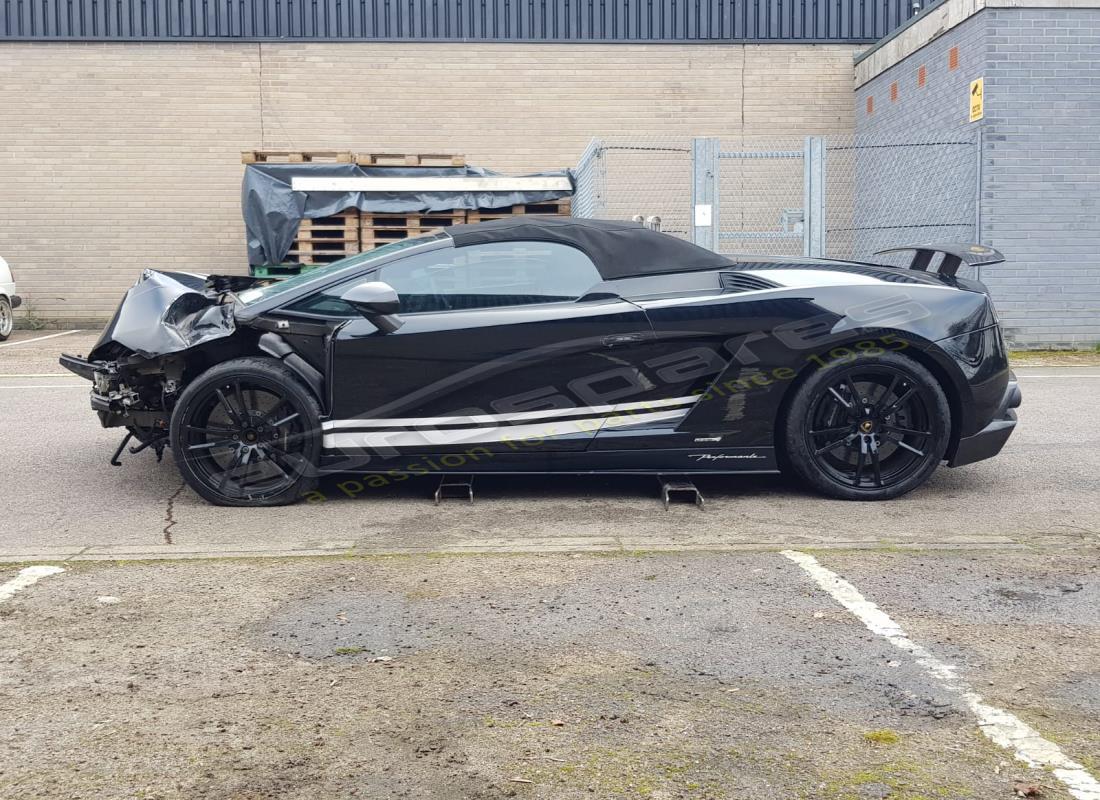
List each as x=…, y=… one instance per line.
x=16, y=301
x=987, y=442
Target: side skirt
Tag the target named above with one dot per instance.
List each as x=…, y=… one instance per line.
x=481, y=460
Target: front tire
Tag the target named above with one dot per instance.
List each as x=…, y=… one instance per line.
x=869, y=429
x=247, y=433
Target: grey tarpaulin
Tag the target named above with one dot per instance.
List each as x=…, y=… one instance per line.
x=272, y=210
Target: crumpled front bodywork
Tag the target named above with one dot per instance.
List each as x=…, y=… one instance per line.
x=159, y=336
x=166, y=312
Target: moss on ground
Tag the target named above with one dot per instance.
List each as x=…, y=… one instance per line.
x=883, y=736
x=632, y=775
x=905, y=780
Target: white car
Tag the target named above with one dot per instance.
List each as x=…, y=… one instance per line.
x=9, y=300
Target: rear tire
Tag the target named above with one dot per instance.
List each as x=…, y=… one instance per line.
x=7, y=319
x=869, y=429
x=247, y=433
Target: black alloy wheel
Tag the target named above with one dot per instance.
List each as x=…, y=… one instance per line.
x=871, y=429
x=247, y=433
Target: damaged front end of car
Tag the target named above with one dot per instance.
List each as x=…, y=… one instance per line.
x=169, y=326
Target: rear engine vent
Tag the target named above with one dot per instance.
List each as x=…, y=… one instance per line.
x=744, y=282
x=880, y=271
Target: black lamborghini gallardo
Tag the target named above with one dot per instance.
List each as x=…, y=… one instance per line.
x=546, y=344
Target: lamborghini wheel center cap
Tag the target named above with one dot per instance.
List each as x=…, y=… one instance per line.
x=866, y=426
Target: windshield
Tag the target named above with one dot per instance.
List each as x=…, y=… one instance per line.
x=250, y=296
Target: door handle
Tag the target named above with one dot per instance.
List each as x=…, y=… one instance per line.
x=616, y=339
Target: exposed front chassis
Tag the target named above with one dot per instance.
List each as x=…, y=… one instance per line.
x=137, y=394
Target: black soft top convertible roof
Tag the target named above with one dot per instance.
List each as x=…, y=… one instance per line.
x=618, y=249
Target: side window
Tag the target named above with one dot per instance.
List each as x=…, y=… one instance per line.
x=491, y=275
x=327, y=305
x=479, y=276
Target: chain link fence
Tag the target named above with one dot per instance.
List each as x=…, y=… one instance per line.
x=839, y=196
x=647, y=176
x=883, y=193
x=760, y=195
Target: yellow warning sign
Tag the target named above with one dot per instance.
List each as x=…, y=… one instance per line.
x=977, y=97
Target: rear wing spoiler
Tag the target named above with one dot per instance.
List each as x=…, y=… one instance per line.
x=954, y=255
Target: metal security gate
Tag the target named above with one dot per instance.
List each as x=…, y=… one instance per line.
x=759, y=200
x=836, y=196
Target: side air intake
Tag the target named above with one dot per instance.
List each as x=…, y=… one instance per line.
x=745, y=282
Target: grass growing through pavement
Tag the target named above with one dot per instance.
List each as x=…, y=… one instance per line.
x=1055, y=358
x=885, y=736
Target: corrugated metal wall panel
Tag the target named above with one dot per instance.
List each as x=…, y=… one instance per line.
x=455, y=20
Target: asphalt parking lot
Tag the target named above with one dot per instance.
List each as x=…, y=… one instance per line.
x=660, y=675
x=560, y=638
x=64, y=500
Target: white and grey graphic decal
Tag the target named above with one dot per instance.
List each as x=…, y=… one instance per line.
x=355, y=434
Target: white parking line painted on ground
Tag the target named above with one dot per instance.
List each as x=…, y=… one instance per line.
x=28, y=576
x=999, y=726
x=48, y=386
x=39, y=338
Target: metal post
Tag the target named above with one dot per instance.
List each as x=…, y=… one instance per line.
x=978, y=199
x=704, y=195
x=591, y=174
x=978, y=194
x=813, y=200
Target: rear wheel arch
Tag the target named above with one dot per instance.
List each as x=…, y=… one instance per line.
x=916, y=350
x=951, y=389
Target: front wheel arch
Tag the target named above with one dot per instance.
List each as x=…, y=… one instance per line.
x=248, y=343
x=253, y=404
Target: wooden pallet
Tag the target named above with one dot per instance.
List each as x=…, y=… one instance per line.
x=326, y=239
x=376, y=230
x=409, y=160
x=553, y=207
x=296, y=156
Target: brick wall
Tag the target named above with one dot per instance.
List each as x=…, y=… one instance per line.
x=1041, y=204
x=938, y=107
x=1040, y=155
x=115, y=157
x=916, y=161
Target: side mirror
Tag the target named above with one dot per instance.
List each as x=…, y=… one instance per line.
x=378, y=302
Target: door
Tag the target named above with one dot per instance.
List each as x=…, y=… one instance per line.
x=500, y=349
